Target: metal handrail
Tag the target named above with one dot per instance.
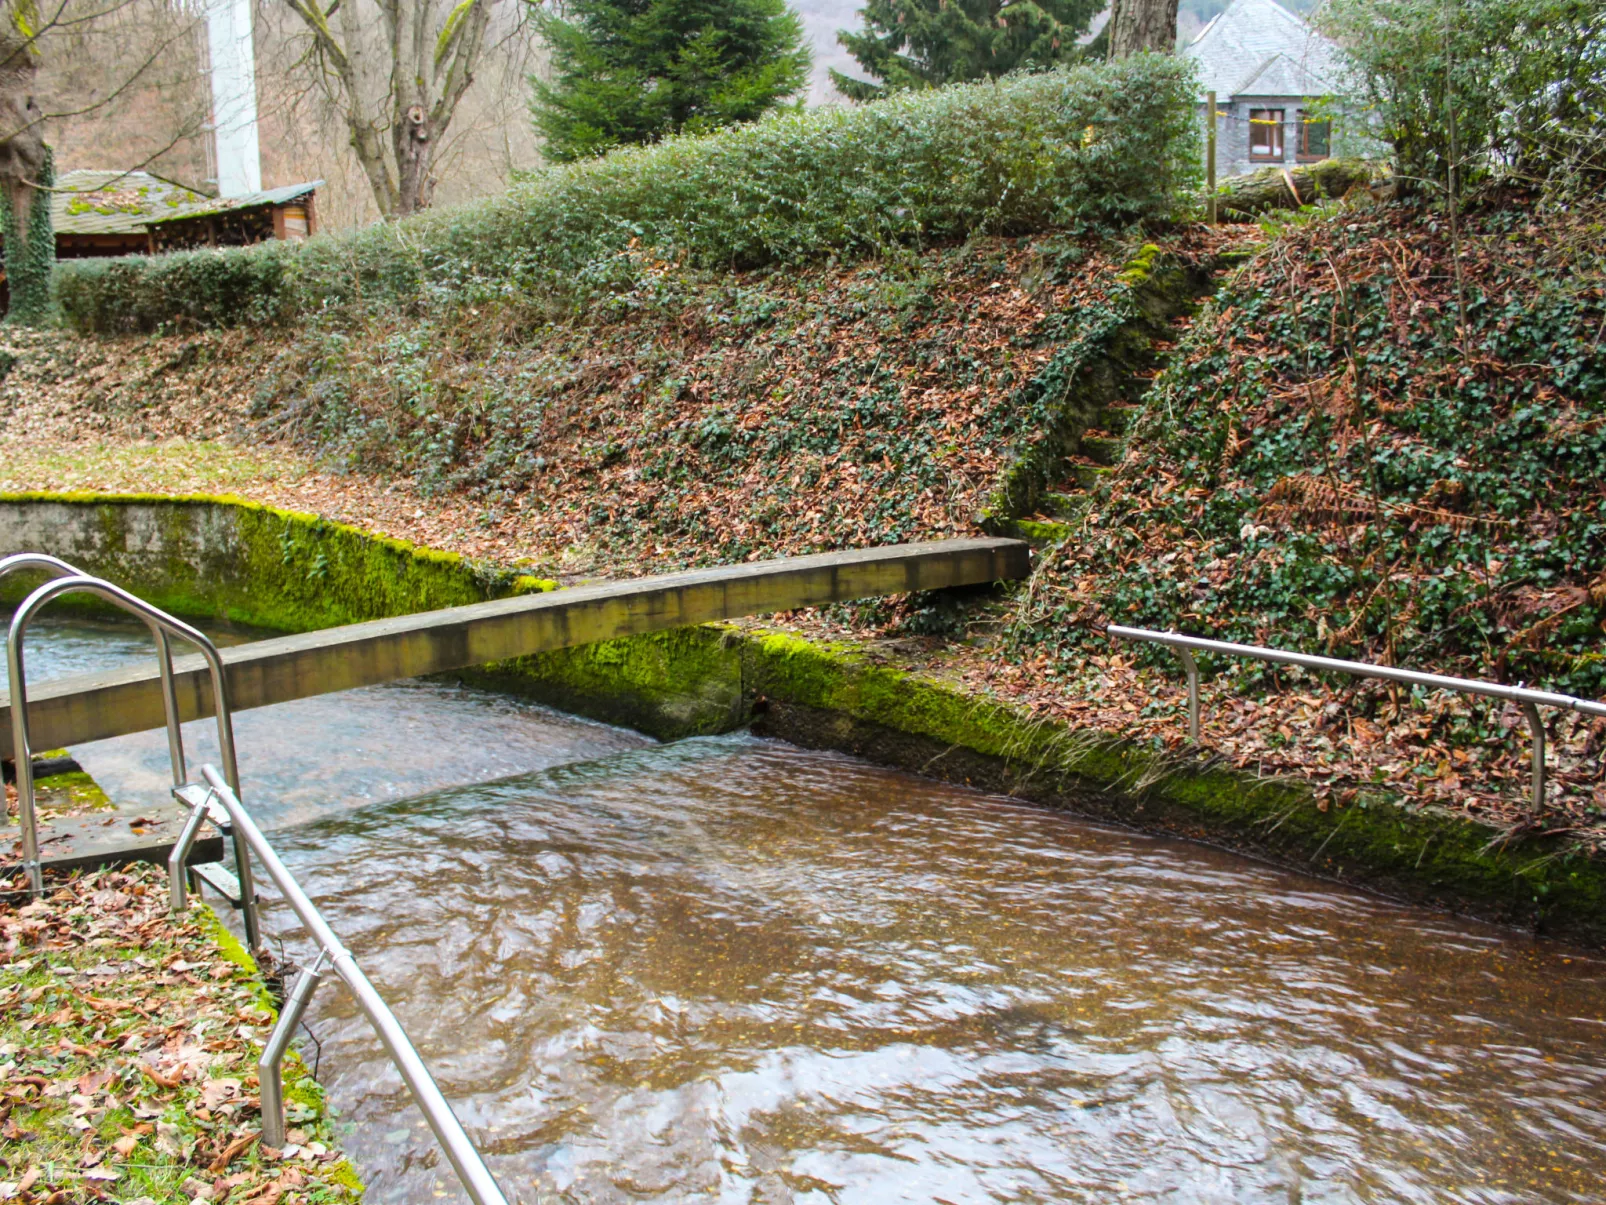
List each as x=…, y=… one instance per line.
x=1529, y=700
x=163, y=626
x=460, y=1150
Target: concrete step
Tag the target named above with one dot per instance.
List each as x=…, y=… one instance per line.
x=1062, y=505
x=1119, y=419
x=1042, y=532
x=1102, y=448
x=1086, y=476
x=117, y=836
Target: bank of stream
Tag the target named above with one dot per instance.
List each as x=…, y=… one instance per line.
x=731, y=969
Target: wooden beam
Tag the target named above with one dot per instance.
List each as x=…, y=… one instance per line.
x=66, y=711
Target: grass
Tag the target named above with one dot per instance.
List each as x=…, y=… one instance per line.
x=172, y=466
x=128, y=1041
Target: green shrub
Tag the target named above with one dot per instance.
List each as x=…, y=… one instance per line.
x=1092, y=147
x=1525, y=82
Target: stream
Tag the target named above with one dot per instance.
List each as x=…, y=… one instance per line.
x=727, y=969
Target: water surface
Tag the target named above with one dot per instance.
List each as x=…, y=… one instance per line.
x=327, y=754
x=730, y=970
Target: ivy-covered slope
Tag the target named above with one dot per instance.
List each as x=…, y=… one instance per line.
x=1332, y=463
x=706, y=419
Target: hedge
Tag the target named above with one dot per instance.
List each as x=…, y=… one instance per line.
x=1095, y=146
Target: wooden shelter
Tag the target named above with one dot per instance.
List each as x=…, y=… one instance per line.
x=106, y=213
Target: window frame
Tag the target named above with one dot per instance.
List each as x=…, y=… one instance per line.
x=1302, y=151
x=1279, y=142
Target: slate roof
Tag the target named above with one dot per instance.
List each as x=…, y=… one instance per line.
x=108, y=202
x=1259, y=48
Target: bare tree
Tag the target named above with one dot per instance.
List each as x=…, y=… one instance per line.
x=123, y=86
x=398, y=92
x=1139, y=25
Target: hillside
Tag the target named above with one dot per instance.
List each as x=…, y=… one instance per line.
x=1328, y=464
x=1322, y=464
x=963, y=310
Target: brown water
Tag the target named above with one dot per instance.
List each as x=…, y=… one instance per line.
x=732, y=970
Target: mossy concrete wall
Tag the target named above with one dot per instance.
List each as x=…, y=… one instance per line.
x=716, y=677
x=226, y=558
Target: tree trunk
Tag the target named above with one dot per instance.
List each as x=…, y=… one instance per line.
x=30, y=246
x=1242, y=198
x=415, y=155
x=1139, y=25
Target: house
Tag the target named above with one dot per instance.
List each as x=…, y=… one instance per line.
x=100, y=213
x=1268, y=68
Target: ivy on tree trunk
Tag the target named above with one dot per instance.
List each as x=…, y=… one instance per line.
x=26, y=175
x=30, y=248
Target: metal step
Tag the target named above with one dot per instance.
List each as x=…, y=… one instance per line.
x=193, y=793
x=221, y=880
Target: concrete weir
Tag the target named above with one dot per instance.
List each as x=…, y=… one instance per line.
x=94, y=706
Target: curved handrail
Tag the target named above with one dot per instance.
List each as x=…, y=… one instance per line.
x=471, y=1171
x=162, y=626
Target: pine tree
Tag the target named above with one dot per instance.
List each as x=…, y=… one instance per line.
x=927, y=43
x=633, y=71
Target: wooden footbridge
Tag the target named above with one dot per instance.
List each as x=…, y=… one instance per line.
x=89, y=707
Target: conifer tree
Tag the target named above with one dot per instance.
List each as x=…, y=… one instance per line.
x=633, y=71
x=927, y=43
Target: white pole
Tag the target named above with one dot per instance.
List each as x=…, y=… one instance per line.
x=234, y=97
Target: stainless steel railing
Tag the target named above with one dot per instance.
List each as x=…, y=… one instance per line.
x=1529, y=700
x=70, y=580
x=460, y=1151
x=219, y=801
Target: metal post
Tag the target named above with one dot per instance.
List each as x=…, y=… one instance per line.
x=1192, y=666
x=1536, y=726
x=1210, y=166
x=180, y=854
x=55, y=567
x=161, y=624
x=175, y=736
x=270, y=1080
x=471, y=1171
x=22, y=758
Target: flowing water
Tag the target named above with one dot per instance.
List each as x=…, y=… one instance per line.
x=731, y=970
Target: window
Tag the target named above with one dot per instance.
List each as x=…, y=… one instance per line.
x=1266, y=134
x=1315, y=138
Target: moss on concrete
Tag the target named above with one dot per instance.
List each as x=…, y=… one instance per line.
x=74, y=789
x=683, y=682
x=298, y=572
x=220, y=557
